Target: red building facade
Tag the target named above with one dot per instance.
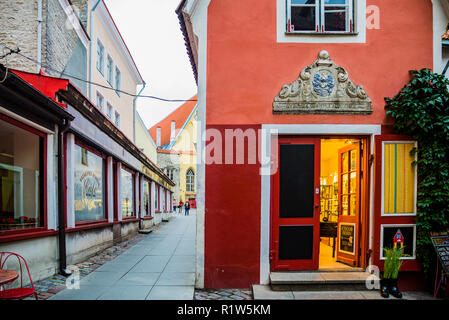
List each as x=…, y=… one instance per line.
x=304, y=82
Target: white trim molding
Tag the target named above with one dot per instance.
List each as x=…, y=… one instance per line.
x=197, y=11
x=73, y=19
x=265, y=192
x=415, y=188
x=382, y=226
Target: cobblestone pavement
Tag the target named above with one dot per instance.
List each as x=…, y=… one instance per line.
x=48, y=287
x=223, y=294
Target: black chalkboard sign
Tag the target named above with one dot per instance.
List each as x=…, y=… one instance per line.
x=441, y=244
x=347, y=237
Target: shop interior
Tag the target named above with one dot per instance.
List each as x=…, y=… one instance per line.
x=330, y=204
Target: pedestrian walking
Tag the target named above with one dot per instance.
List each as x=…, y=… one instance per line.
x=174, y=205
x=180, y=206
x=187, y=208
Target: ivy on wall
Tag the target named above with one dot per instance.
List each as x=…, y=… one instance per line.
x=421, y=110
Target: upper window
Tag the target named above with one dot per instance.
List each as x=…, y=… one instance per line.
x=118, y=79
x=320, y=16
x=21, y=178
x=110, y=70
x=190, y=181
x=100, y=101
x=100, y=57
x=117, y=119
x=109, y=111
x=399, y=179
x=89, y=185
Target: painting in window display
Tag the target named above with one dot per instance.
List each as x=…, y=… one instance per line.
x=89, y=186
x=146, y=198
x=21, y=182
x=127, y=193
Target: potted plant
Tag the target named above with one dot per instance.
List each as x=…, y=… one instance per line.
x=392, y=264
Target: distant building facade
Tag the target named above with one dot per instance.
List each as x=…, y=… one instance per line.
x=176, y=138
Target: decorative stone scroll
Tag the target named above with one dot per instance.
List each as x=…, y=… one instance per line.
x=322, y=88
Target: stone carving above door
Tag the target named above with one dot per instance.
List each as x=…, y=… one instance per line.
x=322, y=88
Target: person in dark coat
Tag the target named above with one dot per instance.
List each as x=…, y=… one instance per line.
x=187, y=208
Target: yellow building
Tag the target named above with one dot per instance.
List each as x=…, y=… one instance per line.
x=176, y=137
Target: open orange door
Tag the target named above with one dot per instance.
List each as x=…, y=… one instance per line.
x=349, y=209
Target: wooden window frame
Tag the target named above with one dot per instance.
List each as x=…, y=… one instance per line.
x=98, y=153
x=147, y=214
x=133, y=174
x=320, y=18
x=20, y=234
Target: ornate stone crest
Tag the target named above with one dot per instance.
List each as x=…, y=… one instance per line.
x=322, y=88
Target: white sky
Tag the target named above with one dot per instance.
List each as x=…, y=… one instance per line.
x=152, y=33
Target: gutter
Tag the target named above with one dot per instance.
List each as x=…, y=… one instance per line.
x=135, y=110
x=61, y=202
x=90, y=45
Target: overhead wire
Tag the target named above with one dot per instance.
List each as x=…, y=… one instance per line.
x=61, y=73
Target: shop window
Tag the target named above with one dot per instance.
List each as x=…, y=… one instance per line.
x=399, y=179
x=320, y=16
x=100, y=57
x=89, y=185
x=156, y=204
x=21, y=177
x=146, y=198
x=190, y=181
x=127, y=193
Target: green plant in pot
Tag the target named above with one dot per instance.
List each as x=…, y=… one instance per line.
x=392, y=264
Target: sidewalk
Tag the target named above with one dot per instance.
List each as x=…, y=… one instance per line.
x=159, y=267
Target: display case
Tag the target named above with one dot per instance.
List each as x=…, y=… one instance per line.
x=329, y=203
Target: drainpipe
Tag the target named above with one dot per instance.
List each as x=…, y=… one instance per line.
x=39, y=35
x=134, y=109
x=90, y=46
x=61, y=202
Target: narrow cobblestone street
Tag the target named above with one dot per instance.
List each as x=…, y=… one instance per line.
x=157, y=266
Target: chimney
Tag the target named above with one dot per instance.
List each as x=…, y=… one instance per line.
x=158, y=136
x=172, y=132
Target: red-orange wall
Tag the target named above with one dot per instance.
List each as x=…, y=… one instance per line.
x=246, y=69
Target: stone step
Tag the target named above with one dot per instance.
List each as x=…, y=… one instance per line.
x=264, y=292
x=146, y=231
x=320, y=281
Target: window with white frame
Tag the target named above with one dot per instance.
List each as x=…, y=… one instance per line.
x=117, y=119
x=190, y=181
x=109, y=111
x=100, y=57
x=320, y=16
x=100, y=101
x=118, y=79
x=110, y=70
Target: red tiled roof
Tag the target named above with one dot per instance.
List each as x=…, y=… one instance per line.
x=180, y=116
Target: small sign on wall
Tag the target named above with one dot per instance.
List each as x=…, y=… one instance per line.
x=400, y=236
